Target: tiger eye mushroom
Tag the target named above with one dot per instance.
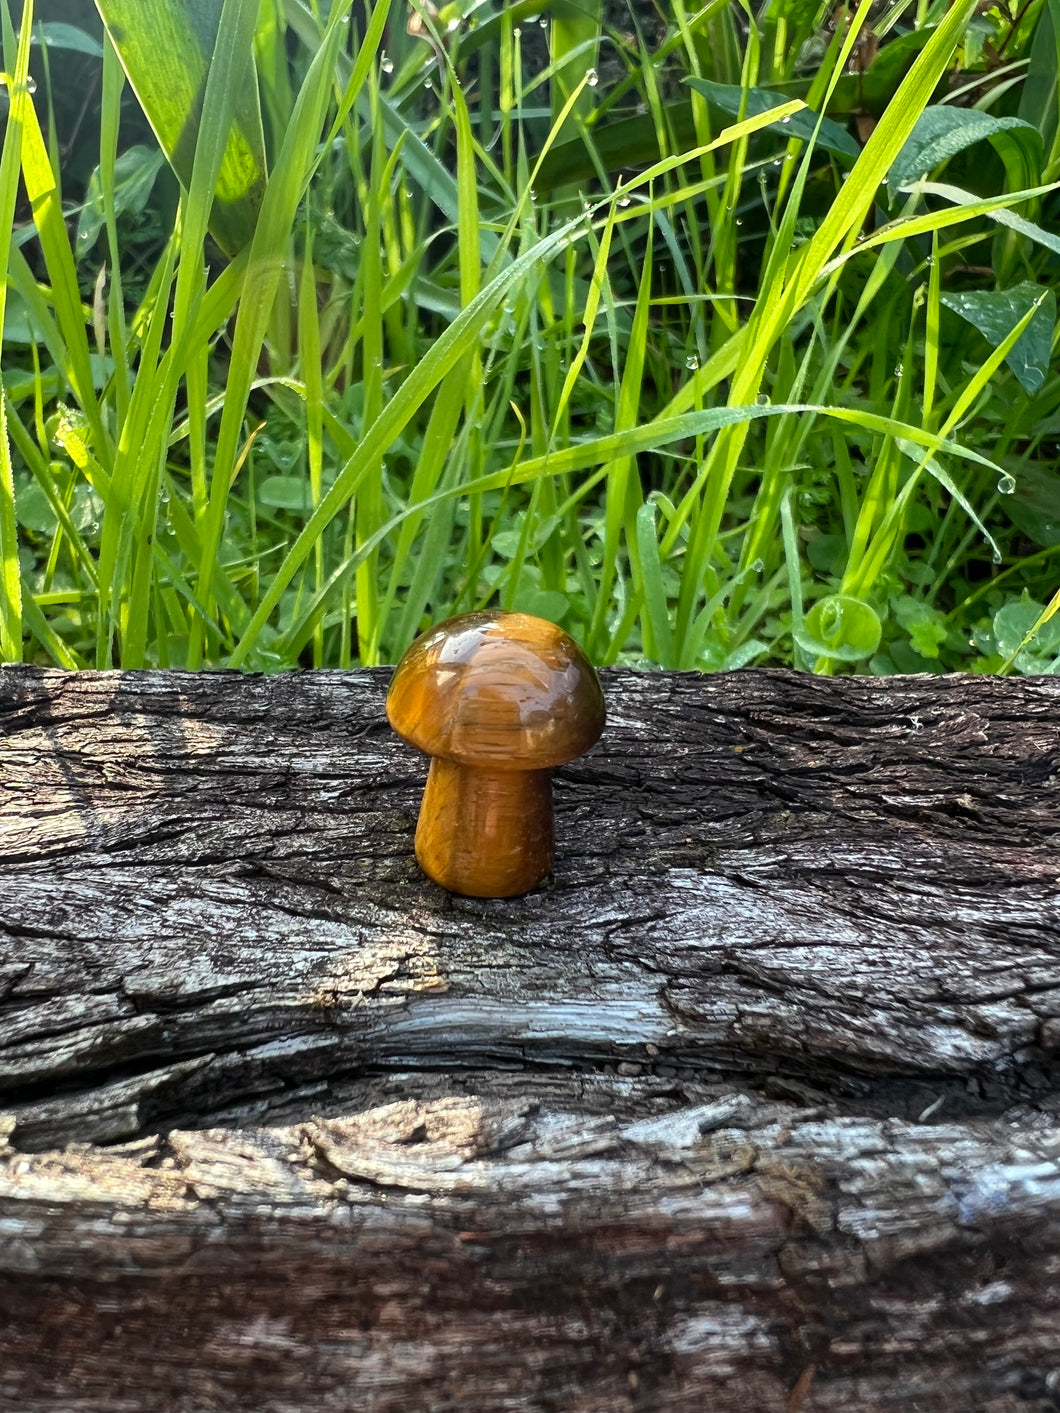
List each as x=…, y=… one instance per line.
x=497, y=700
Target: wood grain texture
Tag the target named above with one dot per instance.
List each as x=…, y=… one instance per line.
x=755, y=1106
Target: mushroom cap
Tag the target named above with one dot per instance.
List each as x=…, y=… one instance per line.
x=504, y=691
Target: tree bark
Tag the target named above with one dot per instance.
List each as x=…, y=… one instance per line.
x=755, y=1106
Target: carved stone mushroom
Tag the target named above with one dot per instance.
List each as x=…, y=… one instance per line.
x=497, y=700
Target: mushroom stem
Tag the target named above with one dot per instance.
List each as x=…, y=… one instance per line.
x=485, y=833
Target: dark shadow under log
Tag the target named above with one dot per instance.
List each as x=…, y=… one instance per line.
x=755, y=1106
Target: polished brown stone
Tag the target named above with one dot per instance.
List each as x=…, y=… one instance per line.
x=498, y=700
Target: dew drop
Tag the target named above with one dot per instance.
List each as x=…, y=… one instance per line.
x=692, y=362
x=898, y=370
x=1007, y=484
x=786, y=118
x=31, y=84
x=758, y=566
x=592, y=78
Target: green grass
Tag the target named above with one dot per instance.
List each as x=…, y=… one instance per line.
x=718, y=344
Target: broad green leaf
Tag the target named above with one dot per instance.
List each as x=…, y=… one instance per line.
x=840, y=627
x=542, y=603
x=134, y=178
x=20, y=326
x=996, y=312
x=925, y=624
x=744, y=654
x=1047, y=641
x=942, y=131
x=730, y=99
x=53, y=34
x=166, y=50
x=1026, y=632
x=33, y=509
x=286, y=493
x=1034, y=506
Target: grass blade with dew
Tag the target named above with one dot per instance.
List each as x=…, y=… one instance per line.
x=862, y=574
x=592, y=455
x=787, y=288
x=447, y=350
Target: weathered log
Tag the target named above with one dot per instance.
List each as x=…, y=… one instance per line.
x=755, y=1107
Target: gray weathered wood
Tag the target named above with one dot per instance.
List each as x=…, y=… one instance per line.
x=755, y=1106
